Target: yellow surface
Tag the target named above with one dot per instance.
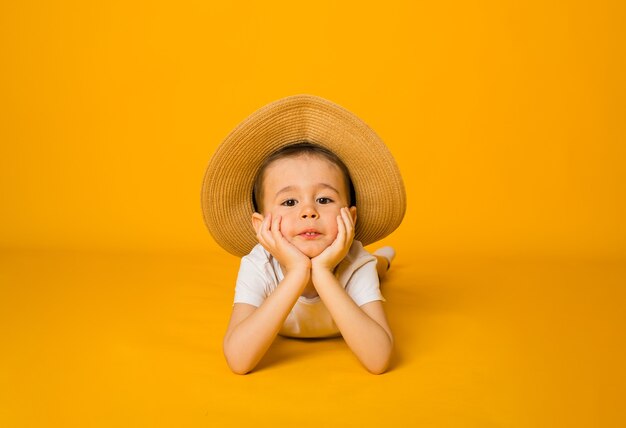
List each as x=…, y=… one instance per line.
x=96, y=339
x=507, y=298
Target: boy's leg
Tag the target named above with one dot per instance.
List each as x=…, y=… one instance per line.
x=382, y=266
x=384, y=256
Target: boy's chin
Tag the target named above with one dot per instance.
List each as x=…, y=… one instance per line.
x=310, y=251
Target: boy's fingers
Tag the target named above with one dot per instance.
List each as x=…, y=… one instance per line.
x=266, y=234
x=263, y=239
x=261, y=227
x=270, y=226
x=346, y=215
x=341, y=230
x=276, y=233
x=276, y=223
x=268, y=220
x=348, y=221
x=345, y=229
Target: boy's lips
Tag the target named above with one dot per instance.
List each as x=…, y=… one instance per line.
x=309, y=234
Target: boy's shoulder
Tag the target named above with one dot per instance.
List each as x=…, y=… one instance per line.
x=356, y=258
x=258, y=256
x=358, y=253
x=358, y=267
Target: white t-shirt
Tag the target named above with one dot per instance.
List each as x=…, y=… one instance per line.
x=260, y=274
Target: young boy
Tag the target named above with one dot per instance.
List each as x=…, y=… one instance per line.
x=300, y=167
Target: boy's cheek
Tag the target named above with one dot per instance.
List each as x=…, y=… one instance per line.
x=286, y=225
x=277, y=211
x=335, y=233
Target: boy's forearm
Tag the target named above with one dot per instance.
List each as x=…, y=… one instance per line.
x=369, y=341
x=248, y=341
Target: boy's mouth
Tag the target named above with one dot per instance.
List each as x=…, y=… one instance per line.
x=309, y=234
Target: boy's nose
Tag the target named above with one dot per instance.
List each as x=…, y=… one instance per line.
x=309, y=212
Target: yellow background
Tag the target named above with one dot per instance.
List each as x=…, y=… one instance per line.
x=506, y=119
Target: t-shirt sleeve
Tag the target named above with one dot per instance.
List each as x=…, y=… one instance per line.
x=363, y=285
x=251, y=283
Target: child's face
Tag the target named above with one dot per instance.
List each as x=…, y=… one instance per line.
x=307, y=192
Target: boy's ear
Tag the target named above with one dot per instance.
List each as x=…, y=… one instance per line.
x=257, y=219
x=352, y=210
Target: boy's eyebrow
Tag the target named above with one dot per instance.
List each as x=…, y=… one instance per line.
x=323, y=185
x=284, y=189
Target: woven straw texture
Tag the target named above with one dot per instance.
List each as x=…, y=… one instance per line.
x=227, y=187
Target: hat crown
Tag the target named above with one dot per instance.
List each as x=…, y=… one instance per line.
x=229, y=178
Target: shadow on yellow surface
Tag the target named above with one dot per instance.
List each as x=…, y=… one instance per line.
x=134, y=339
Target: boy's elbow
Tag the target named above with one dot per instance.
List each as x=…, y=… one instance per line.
x=380, y=363
x=235, y=362
x=377, y=367
x=238, y=366
x=239, y=369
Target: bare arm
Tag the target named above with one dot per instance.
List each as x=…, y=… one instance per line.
x=252, y=330
x=365, y=329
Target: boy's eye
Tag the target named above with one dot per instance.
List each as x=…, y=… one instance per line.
x=324, y=201
x=289, y=203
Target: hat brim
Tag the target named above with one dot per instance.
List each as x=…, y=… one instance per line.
x=227, y=186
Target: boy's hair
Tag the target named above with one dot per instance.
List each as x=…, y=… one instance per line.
x=294, y=150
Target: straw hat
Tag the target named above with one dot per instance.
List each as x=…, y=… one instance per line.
x=229, y=178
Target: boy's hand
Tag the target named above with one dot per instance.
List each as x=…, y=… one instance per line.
x=331, y=256
x=272, y=239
